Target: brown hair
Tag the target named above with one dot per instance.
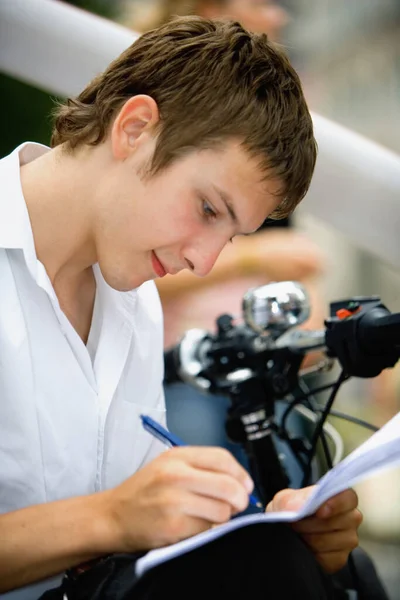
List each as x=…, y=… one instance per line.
x=212, y=81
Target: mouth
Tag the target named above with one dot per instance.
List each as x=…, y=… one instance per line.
x=158, y=267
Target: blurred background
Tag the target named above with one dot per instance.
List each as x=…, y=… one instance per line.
x=348, y=55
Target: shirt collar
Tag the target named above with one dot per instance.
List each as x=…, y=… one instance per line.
x=16, y=229
x=15, y=225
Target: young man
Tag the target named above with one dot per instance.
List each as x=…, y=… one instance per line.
x=194, y=135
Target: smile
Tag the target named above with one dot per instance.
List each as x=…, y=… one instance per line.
x=157, y=266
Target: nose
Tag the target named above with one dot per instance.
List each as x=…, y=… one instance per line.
x=201, y=258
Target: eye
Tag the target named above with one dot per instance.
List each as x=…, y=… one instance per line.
x=208, y=211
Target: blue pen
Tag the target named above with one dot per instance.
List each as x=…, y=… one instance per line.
x=171, y=440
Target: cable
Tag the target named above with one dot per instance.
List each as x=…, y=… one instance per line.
x=293, y=404
x=326, y=428
x=315, y=407
x=308, y=397
x=342, y=377
x=300, y=398
x=334, y=435
x=306, y=390
x=329, y=430
x=351, y=419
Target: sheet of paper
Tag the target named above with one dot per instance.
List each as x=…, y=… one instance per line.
x=380, y=451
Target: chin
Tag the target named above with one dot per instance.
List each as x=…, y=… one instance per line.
x=122, y=282
x=126, y=285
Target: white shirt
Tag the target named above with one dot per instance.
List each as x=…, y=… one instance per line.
x=69, y=413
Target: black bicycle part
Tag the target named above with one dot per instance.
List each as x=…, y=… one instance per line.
x=254, y=372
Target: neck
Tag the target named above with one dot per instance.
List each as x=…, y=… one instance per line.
x=58, y=196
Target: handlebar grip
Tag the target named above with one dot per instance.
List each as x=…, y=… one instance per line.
x=379, y=330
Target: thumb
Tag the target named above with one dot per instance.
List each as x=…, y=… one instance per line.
x=289, y=499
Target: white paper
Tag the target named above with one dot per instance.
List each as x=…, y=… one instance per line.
x=380, y=451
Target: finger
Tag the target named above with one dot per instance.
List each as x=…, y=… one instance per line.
x=189, y=514
x=343, y=502
x=335, y=541
x=207, y=509
x=289, y=499
x=348, y=520
x=214, y=459
x=220, y=487
x=179, y=528
x=211, y=484
x=331, y=562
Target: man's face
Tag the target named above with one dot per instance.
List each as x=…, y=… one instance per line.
x=180, y=218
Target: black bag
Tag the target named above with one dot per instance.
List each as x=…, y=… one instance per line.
x=110, y=577
x=266, y=561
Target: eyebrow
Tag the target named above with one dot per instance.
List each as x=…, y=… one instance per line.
x=227, y=200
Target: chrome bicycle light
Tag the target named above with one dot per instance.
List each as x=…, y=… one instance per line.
x=276, y=307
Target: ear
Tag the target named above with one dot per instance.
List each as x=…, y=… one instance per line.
x=135, y=120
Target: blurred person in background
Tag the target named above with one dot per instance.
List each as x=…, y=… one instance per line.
x=260, y=16
x=277, y=252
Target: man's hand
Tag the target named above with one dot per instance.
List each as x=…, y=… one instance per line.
x=331, y=533
x=182, y=492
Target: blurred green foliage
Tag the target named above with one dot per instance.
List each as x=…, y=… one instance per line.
x=28, y=113
x=104, y=8
x=27, y=110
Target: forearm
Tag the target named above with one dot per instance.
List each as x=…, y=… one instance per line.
x=44, y=540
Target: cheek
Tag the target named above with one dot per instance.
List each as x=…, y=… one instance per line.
x=188, y=226
x=177, y=221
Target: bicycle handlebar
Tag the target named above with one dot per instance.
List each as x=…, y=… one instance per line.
x=258, y=361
